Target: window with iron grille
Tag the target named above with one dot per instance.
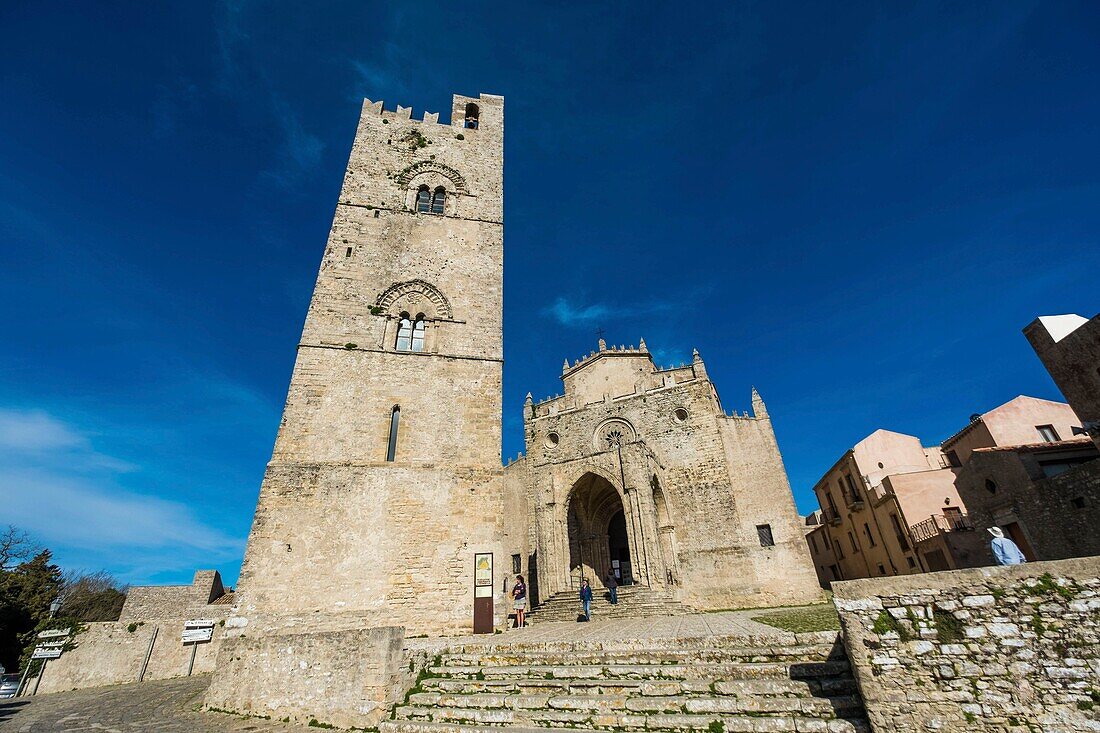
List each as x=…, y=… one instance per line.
x=765, y=533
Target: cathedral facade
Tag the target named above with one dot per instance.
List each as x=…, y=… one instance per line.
x=386, y=485
x=639, y=471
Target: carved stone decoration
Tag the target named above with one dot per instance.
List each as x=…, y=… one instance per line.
x=417, y=295
x=426, y=166
x=613, y=433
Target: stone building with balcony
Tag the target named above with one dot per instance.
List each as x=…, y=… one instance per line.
x=891, y=506
x=869, y=499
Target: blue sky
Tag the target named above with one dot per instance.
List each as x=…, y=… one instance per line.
x=855, y=207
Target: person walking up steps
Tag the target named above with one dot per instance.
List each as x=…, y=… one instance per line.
x=586, y=599
x=612, y=584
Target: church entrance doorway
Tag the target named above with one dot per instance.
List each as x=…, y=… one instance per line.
x=599, y=538
x=619, y=548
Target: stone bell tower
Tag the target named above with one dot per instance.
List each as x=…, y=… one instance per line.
x=386, y=475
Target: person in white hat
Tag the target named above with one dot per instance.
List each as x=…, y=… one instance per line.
x=1005, y=550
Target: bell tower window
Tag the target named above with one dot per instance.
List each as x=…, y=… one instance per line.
x=472, y=113
x=423, y=200
x=405, y=333
x=418, y=333
x=410, y=333
x=439, y=200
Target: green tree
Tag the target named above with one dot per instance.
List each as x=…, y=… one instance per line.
x=92, y=597
x=26, y=592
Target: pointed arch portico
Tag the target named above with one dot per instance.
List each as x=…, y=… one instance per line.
x=596, y=529
x=586, y=517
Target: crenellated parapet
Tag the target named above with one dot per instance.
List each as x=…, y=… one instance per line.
x=605, y=350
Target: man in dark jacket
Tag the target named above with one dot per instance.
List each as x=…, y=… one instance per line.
x=612, y=584
x=586, y=599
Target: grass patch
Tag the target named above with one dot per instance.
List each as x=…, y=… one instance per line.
x=801, y=620
x=949, y=628
x=885, y=623
x=1047, y=584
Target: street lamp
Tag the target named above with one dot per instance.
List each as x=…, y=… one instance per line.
x=55, y=606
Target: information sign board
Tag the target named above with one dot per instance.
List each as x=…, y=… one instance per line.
x=192, y=636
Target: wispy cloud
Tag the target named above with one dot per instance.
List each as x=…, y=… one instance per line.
x=242, y=76
x=300, y=151
x=35, y=431
x=571, y=313
x=57, y=486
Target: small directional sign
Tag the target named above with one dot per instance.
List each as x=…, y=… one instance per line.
x=44, y=653
x=53, y=633
x=199, y=623
x=52, y=644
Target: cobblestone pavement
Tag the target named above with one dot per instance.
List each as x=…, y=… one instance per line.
x=163, y=706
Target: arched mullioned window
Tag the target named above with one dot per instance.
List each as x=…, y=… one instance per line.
x=423, y=200
x=405, y=333
x=410, y=333
x=439, y=200
x=418, y=333
x=472, y=113
x=395, y=418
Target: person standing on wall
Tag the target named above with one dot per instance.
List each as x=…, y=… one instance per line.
x=586, y=599
x=612, y=584
x=1005, y=550
x=519, y=601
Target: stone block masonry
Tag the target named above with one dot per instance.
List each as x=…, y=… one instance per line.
x=343, y=678
x=986, y=649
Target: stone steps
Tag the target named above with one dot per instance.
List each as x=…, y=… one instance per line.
x=419, y=704
x=747, y=653
x=714, y=684
x=634, y=602
x=824, y=686
x=706, y=670
x=467, y=719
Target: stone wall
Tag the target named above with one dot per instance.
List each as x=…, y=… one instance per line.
x=111, y=654
x=1057, y=516
x=986, y=649
x=1072, y=361
x=342, y=678
x=145, y=602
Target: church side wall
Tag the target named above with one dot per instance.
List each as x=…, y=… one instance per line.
x=759, y=482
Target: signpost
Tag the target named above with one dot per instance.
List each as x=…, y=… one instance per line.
x=51, y=645
x=196, y=631
x=483, y=592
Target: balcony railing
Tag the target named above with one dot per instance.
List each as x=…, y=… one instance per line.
x=939, y=524
x=831, y=516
